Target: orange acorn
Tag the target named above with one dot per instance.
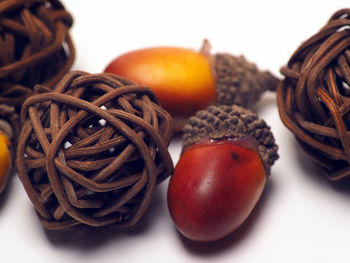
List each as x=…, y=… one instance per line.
x=8, y=118
x=186, y=81
x=5, y=161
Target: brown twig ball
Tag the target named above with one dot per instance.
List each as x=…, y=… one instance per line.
x=314, y=97
x=92, y=151
x=35, y=47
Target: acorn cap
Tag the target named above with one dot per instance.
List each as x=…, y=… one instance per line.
x=239, y=81
x=232, y=122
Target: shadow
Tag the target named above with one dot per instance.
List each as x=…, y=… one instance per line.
x=177, y=135
x=267, y=101
x=6, y=193
x=317, y=174
x=342, y=186
x=88, y=238
x=205, y=249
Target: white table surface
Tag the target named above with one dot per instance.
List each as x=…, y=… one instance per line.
x=301, y=216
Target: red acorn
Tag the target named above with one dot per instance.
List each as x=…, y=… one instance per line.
x=227, y=154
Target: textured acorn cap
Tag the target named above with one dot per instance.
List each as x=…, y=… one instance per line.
x=232, y=122
x=240, y=82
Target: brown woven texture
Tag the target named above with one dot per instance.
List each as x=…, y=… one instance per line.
x=35, y=47
x=92, y=151
x=314, y=97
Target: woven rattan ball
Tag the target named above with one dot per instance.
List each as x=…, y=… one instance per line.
x=35, y=47
x=314, y=97
x=92, y=151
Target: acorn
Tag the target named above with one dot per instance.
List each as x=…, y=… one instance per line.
x=222, y=171
x=8, y=135
x=186, y=81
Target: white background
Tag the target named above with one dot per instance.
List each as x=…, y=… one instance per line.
x=301, y=217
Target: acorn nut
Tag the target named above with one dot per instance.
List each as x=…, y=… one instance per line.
x=221, y=174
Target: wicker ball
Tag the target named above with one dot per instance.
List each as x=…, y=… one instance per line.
x=92, y=151
x=35, y=47
x=314, y=97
